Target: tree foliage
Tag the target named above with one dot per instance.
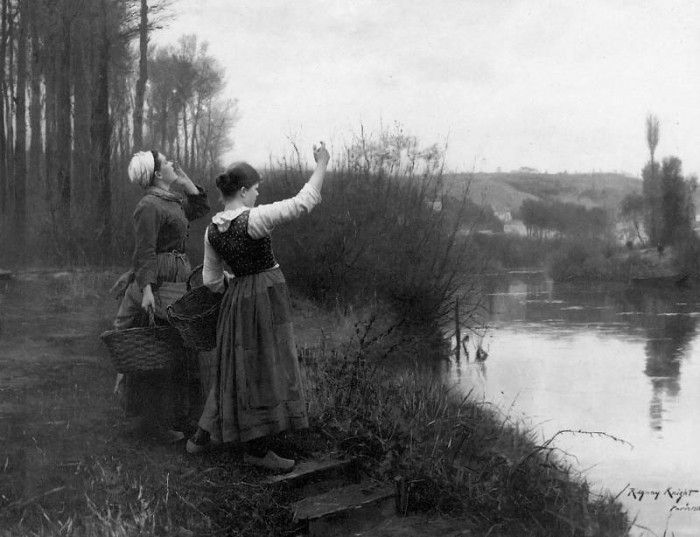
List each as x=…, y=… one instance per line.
x=632, y=211
x=186, y=118
x=652, y=134
x=75, y=90
x=543, y=218
x=669, y=212
x=677, y=208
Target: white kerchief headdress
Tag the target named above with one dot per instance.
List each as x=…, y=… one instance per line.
x=141, y=168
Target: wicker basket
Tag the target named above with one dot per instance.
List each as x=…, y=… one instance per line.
x=143, y=349
x=195, y=315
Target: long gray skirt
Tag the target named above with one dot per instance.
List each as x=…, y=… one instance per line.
x=256, y=386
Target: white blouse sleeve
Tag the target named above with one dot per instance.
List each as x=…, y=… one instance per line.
x=213, y=270
x=263, y=218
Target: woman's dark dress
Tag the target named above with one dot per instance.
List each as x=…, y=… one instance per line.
x=257, y=389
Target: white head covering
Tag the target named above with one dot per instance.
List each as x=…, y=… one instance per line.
x=141, y=168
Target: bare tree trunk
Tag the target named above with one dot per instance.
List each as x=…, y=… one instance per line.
x=101, y=132
x=174, y=142
x=10, y=108
x=204, y=148
x=50, y=127
x=195, y=120
x=35, y=144
x=194, y=151
x=184, y=130
x=3, y=138
x=177, y=138
x=164, y=121
x=82, y=92
x=63, y=122
x=143, y=77
x=20, y=174
x=151, y=141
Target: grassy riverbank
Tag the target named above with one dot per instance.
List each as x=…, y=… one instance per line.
x=72, y=468
x=453, y=454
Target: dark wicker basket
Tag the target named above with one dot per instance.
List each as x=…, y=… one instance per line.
x=143, y=349
x=195, y=315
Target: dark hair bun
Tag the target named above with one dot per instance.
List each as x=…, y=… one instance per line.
x=221, y=181
x=237, y=176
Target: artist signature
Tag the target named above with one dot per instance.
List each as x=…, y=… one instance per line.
x=680, y=497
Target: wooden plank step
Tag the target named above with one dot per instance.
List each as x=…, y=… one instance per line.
x=306, y=472
x=351, y=508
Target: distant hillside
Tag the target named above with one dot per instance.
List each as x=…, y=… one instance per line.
x=506, y=191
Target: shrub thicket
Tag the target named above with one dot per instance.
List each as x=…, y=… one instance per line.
x=385, y=230
x=589, y=260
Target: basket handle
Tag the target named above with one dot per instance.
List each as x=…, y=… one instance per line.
x=194, y=271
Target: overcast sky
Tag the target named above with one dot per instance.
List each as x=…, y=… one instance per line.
x=553, y=85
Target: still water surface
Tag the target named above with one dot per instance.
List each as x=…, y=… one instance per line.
x=608, y=358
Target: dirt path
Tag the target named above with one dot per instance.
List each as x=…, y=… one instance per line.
x=54, y=386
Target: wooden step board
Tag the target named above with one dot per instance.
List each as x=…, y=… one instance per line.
x=306, y=472
x=341, y=510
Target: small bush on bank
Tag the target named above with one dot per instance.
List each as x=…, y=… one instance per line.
x=513, y=251
x=589, y=261
x=688, y=256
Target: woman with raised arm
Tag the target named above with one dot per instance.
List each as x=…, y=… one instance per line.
x=256, y=390
x=161, y=226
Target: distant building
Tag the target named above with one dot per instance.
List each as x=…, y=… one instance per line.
x=504, y=216
x=515, y=227
x=435, y=205
x=526, y=169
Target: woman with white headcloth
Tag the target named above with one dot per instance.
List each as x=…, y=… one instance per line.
x=161, y=225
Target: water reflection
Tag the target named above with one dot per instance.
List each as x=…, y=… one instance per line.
x=605, y=357
x=663, y=318
x=669, y=330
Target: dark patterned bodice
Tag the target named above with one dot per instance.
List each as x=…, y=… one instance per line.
x=241, y=252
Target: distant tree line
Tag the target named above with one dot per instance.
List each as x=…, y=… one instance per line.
x=546, y=218
x=665, y=208
x=77, y=99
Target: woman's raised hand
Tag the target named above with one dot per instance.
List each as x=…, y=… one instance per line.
x=321, y=155
x=182, y=181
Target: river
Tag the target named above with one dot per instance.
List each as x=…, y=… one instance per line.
x=612, y=359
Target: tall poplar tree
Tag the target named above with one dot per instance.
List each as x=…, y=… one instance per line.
x=20, y=156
